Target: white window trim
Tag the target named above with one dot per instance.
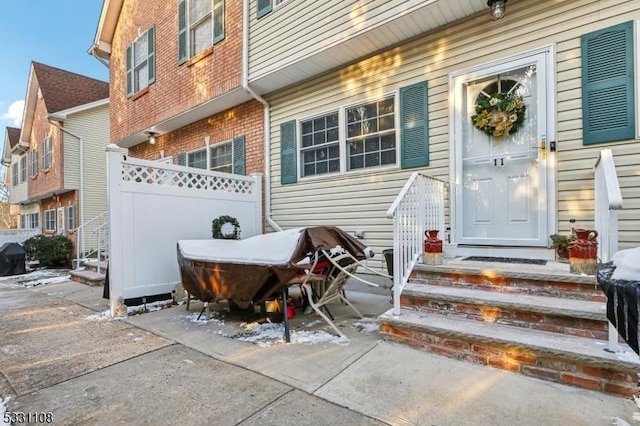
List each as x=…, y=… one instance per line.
x=211, y=147
x=24, y=161
x=342, y=135
x=34, y=170
x=189, y=25
x=46, y=220
x=15, y=174
x=69, y=216
x=47, y=153
x=133, y=62
x=279, y=3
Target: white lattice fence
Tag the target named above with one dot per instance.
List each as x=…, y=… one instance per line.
x=152, y=205
x=17, y=235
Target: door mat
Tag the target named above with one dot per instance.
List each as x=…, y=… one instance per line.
x=507, y=260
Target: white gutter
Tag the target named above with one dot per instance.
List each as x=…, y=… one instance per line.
x=50, y=119
x=267, y=115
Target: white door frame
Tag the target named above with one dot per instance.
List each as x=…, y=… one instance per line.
x=455, y=164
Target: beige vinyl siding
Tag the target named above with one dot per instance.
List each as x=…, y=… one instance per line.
x=18, y=193
x=299, y=28
x=93, y=126
x=359, y=200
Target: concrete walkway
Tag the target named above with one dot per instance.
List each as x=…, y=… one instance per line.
x=59, y=354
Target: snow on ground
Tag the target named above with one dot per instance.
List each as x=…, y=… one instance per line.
x=38, y=278
x=270, y=334
x=3, y=409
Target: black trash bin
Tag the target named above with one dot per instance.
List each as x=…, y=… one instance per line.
x=388, y=258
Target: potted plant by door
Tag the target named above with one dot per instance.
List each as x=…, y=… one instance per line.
x=560, y=243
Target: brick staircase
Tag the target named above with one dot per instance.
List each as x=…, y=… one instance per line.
x=539, y=321
x=90, y=275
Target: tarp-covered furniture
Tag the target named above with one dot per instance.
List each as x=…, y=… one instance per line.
x=250, y=270
x=12, y=259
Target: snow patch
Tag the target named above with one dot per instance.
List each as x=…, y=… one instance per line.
x=3, y=409
x=39, y=277
x=102, y=316
x=367, y=325
x=270, y=334
x=149, y=307
x=628, y=356
x=627, y=263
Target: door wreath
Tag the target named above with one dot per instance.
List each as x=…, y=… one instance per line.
x=499, y=115
x=225, y=228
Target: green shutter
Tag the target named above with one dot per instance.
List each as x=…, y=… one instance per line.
x=264, y=7
x=182, y=31
x=414, y=126
x=182, y=159
x=151, y=42
x=239, y=166
x=607, y=85
x=129, y=55
x=288, y=153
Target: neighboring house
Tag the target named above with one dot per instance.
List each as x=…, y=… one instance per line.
x=362, y=95
x=10, y=157
x=176, y=83
x=58, y=162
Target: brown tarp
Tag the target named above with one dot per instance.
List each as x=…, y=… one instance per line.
x=246, y=283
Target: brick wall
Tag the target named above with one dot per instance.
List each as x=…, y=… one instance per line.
x=50, y=180
x=245, y=119
x=177, y=88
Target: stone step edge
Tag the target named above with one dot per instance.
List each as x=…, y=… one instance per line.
x=531, y=276
x=575, y=308
x=88, y=275
x=571, y=348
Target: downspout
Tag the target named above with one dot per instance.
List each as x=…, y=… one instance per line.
x=57, y=124
x=267, y=115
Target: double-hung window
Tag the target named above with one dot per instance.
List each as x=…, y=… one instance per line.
x=320, y=147
x=371, y=134
x=29, y=220
x=200, y=25
x=49, y=220
x=386, y=131
x=228, y=157
x=34, y=162
x=23, y=168
x=34, y=220
x=70, y=218
x=46, y=154
x=14, y=174
x=141, y=62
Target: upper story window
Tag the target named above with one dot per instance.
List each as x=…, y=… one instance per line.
x=200, y=25
x=23, y=168
x=15, y=173
x=46, y=154
x=141, y=62
x=320, y=149
x=264, y=7
x=34, y=162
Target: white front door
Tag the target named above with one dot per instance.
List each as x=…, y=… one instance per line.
x=502, y=180
x=60, y=220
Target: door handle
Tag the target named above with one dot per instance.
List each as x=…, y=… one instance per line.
x=495, y=161
x=502, y=161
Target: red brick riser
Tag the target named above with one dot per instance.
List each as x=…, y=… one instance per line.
x=569, y=290
x=537, y=321
x=543, y=366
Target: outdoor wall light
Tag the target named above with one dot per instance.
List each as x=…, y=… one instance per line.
x=152, y=138
x=497, y=8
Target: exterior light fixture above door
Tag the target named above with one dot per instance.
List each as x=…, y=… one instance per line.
x=498, y=8
x=152, y=138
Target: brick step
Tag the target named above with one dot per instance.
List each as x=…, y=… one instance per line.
x=568, y=316
x=551, y=281
x=90, y=278
x=571, y=360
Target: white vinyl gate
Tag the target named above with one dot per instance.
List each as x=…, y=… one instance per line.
x=152, y=205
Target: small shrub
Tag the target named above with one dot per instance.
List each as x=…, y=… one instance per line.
x=53, y=251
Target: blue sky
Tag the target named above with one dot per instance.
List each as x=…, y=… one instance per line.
x=52, y=32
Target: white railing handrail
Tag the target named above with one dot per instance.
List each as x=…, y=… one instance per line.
x=391, y=211
x=81, y=237
x=419, y=206
x=101, y=215
x=608, y=200
x=612, y=185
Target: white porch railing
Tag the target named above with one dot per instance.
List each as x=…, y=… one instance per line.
x=608, y=200
x=91, y=238
x=417, y=208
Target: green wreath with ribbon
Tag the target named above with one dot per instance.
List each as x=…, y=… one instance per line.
x=500, y=115
x=225, y=228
